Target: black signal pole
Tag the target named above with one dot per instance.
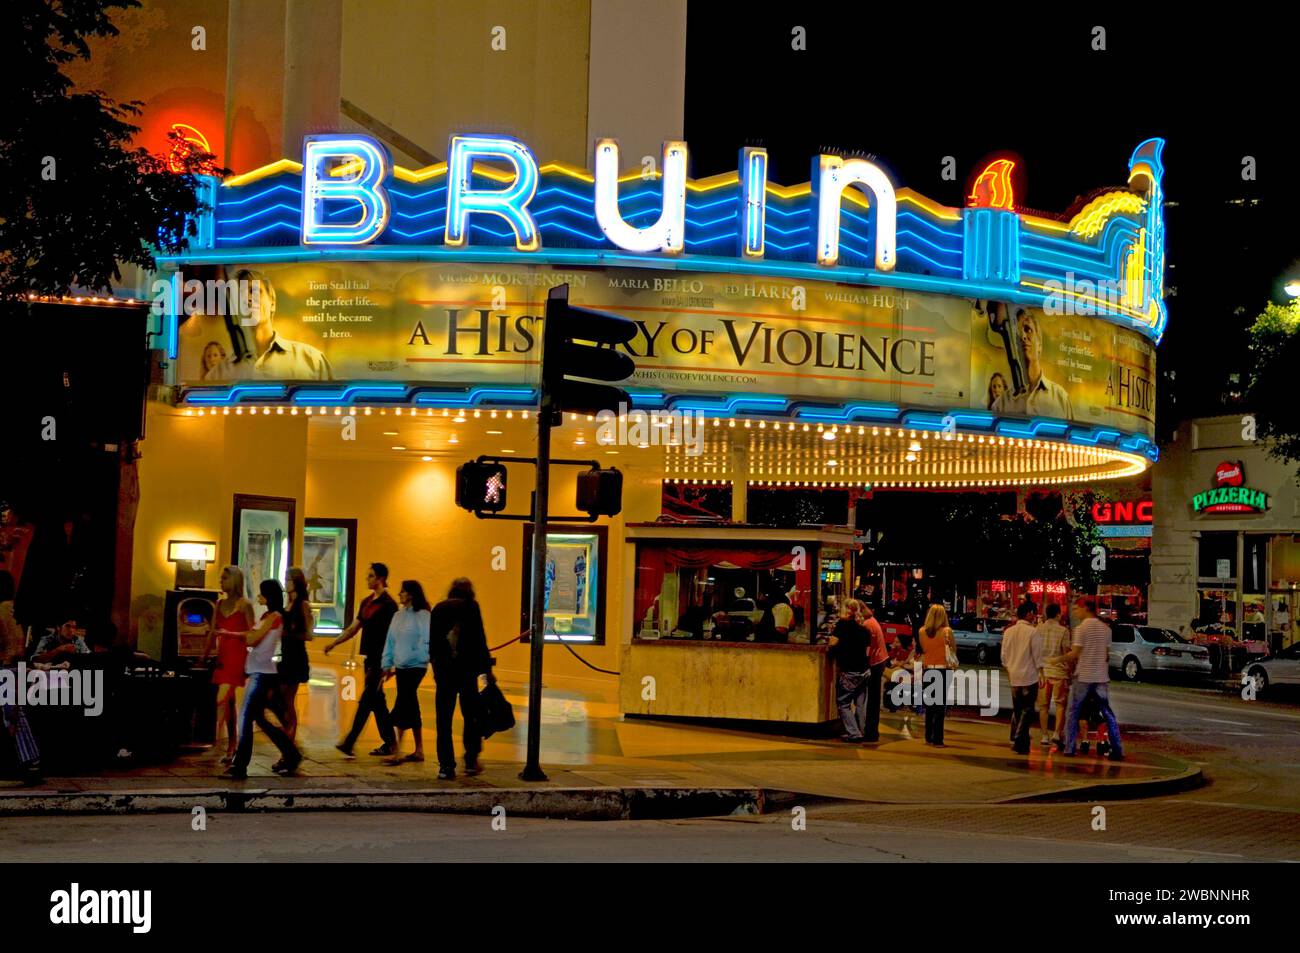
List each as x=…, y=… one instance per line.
x=576, y=343
x=532, y=767
x=545, y=420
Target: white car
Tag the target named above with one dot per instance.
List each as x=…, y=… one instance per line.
x=1136, y=650
x=1280, y=669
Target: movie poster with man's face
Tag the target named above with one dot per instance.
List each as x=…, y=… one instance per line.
x=1028, y=363
x=697, y=333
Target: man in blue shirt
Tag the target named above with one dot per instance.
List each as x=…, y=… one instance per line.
x=67, y=639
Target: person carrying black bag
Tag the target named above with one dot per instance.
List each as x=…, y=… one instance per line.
x=459, y=653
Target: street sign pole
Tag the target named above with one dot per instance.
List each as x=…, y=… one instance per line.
x=576, y=343
x=537, y=617
x=532, y=767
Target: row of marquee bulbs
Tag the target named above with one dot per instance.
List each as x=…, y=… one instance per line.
x=828, y=433
x=903, y=484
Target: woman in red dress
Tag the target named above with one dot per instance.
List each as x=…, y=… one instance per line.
x=233, y=618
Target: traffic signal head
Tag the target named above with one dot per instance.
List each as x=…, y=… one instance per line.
x=600, y=492
x=481, y=487
x=579, y=343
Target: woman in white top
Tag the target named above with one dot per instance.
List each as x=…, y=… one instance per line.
x=261, y=671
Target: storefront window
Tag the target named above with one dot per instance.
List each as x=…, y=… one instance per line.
x=1285, y=559
x=732, y=594
x=1284, y=599
x=1216, y=612
x=1217, y=558
x=1254, y=563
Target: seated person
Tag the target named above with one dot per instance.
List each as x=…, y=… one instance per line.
x=66, y=640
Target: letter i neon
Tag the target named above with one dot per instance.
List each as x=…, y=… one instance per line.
x=753, y=201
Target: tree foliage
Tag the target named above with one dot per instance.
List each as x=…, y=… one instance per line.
x=1271, y=394
x=76, y=198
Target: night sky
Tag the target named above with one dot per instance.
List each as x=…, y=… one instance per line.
x=911, y=88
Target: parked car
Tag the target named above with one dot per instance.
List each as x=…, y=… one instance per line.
x=1280, y=669
x=983, y=637
x=1135, y=649
x=894, y=623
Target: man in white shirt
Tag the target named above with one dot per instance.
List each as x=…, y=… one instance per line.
x=1024, y=667
x=1091, y=655
x=276, y=357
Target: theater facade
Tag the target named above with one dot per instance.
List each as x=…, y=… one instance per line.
x=346, y=331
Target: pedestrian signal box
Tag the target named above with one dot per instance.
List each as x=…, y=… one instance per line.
x=481, y=487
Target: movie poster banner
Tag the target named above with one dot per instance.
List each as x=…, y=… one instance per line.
x=1027, y=363
x=697, y=334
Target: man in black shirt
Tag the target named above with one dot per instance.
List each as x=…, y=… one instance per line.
x=377, y=611
x=459, y=653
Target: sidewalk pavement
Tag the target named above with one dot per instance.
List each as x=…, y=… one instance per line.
x=601, y=766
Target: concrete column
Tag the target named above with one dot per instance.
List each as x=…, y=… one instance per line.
x=740, y=478
x=313, y=42
x=254, y=84
x=637, y=87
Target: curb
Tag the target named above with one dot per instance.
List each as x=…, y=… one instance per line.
x=581, y=804
x=591, y=804
x=1189, y=779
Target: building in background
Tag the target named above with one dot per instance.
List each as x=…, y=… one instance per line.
x=1225, y=561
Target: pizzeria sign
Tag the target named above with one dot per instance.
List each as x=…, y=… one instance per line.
x=1230, y=494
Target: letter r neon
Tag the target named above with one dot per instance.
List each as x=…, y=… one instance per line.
x=510, y=203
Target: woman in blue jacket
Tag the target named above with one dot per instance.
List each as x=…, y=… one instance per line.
x=406, y=654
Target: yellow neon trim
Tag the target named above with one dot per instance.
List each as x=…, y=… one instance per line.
x=1047, y=224
x=564, y=168
x=419, y=175
x=1092, y=218
x=1143, y=170
x=274, y=168
x=944, y=212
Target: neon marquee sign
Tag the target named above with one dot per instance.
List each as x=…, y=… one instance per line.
x=492, y=201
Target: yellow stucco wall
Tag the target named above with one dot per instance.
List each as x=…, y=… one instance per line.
x=190, y=470
x=438, y=73
x=192, y=467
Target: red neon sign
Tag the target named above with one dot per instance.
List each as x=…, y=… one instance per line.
x=1132, y=511
x=992, y=187
x=188, y=141
x=1038, y=587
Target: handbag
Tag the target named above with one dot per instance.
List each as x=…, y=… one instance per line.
x=497, y=715
x=949, y=654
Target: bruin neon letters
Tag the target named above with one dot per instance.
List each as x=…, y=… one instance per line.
x=343, y=170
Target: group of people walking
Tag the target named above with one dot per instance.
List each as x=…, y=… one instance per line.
x=245, y=655
x=1048, y=667
x=402, y=639
x=399, y=639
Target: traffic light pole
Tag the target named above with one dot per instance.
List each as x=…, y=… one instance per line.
x=576, y=342
x=532, y=767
